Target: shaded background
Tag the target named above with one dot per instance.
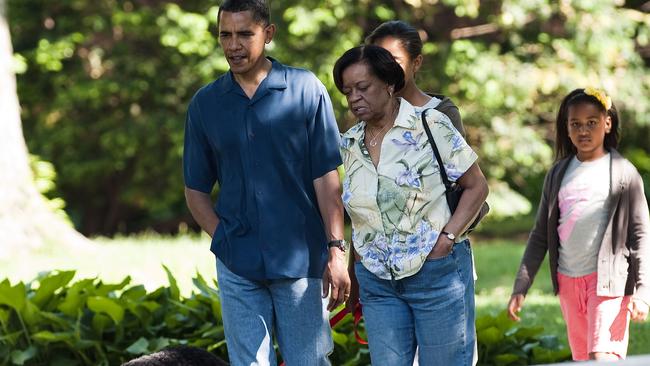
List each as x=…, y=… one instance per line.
x=104, y=87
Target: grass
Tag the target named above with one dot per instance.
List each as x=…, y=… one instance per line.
x=111, y=260
x=142, y=258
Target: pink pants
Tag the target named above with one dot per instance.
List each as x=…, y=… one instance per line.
x=594, y=323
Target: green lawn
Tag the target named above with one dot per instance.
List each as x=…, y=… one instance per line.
x=142, y=258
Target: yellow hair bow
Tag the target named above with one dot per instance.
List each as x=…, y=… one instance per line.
x=599, y=94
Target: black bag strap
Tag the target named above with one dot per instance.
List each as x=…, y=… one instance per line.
x=443, y=173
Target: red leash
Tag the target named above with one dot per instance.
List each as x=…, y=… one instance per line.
x=358, y=314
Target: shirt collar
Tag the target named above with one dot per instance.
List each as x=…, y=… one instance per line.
x=276, y=78
x=407, y=117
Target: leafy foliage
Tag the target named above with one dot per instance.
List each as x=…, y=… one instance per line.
x=52, y=321
x=501, y=342
x=55, y=321
x=105, y=84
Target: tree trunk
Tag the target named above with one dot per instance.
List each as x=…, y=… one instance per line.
x=26, y=222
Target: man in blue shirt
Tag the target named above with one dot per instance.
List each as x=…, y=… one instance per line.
x=267, y=134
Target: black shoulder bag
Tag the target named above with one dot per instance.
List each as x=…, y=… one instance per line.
x=453, y=190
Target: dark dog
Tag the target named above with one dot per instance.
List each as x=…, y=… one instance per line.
x=178, y=356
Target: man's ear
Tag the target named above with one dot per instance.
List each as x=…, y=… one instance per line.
x=269, y=32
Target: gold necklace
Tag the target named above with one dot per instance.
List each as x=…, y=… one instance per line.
x=374, y=136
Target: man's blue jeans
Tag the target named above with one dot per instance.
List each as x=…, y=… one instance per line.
x=432, y=310
x=291, y=309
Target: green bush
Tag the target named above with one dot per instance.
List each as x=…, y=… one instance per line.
x=54, y=321
x=502, y=342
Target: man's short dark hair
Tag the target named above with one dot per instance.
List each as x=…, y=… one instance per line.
x=258, y=8
x=381, y=63
x=178, y=356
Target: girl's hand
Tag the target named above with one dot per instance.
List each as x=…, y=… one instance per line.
x=514, y=306
x=638, y=310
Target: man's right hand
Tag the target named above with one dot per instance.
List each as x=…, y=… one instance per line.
x=200, y=205
x=514, y=306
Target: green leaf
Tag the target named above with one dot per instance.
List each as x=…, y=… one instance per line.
x=213, y=332
x=484, y=322
x=205, y=289
x=56, y=319
x=340, y=338
x=139, y=347
x=19, y=357
x=503, y=321
x=134, y=293
x=4, y=316
x=49, y=284
x=31, y=313
x=105, y=289
x=13, y=296
x=157, y=344
x=216, y=345
x=528, y=332
x=100, y=322
x=72, y=303
x=490, y=336
x=549, y=341
x=105, y=305
x=75, y=297
x=174, y=292
x=12, y=337
x=47, y=336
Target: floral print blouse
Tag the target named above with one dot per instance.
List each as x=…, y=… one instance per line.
x=399, y=208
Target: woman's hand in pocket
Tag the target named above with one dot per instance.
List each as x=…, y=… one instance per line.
x=442, y=248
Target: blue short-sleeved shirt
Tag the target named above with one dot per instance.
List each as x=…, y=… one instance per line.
x=264, y=152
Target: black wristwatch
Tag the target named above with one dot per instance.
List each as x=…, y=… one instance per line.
x=340, y=243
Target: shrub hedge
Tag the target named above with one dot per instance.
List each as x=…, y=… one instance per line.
x=55, y=321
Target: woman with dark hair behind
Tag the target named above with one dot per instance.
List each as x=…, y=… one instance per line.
x=403, y=41
x=412, y=258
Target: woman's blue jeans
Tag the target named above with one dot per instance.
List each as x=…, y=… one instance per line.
x=432, y=310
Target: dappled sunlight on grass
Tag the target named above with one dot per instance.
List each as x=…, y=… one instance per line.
x=111, y=260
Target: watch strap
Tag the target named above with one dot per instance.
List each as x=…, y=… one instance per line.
x=339, y=243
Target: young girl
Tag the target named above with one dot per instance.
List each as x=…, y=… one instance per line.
x=403, y=41
x=593, y=220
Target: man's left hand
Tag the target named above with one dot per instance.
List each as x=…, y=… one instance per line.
x=336, y=281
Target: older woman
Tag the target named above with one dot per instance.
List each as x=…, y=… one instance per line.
x=412, y=260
